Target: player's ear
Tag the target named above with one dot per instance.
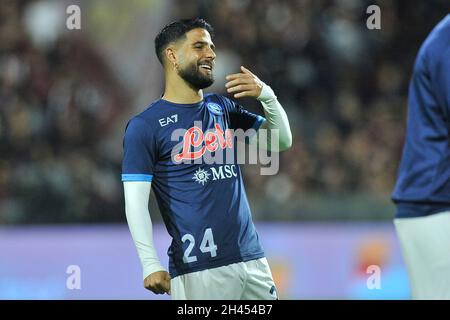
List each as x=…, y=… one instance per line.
x=171, y=57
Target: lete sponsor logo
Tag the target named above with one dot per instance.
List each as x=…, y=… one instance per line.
x=210, y=141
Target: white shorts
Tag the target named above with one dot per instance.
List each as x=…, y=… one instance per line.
x=250, y=280
x=425, y=243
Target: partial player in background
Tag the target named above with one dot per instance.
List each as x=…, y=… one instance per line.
x=422, y=191
x=215, y=251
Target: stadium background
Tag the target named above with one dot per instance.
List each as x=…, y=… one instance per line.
x=66, y=95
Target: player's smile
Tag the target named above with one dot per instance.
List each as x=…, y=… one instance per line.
x=206, y=66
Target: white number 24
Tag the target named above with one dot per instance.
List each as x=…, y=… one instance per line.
x=207, y=245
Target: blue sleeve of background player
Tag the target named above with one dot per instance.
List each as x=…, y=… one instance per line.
x=139, y=152
x=241, y=118
x=441, y=79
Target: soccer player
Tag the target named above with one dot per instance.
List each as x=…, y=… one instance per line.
x=422, y=191
x=215, y=251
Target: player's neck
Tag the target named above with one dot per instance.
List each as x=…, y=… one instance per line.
x=180, y=92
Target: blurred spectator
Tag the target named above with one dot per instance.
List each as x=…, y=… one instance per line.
x=58, y=101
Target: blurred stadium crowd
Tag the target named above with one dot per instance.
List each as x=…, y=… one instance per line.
x=62, y=108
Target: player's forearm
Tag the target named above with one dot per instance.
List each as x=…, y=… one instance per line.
x=141, y=230
x=140, y=224
x=277, y=121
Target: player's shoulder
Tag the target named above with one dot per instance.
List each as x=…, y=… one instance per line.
x=215, y=97
x=441, y=32
x=154, y=110
x=136, y=126
x=143, y=122
x=437, y=45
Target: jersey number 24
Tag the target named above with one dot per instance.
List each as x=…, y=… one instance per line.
x=207, y=245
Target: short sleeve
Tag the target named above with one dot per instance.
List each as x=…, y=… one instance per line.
x=241, y=118
x=139, y=151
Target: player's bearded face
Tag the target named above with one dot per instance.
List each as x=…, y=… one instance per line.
x=196, y=75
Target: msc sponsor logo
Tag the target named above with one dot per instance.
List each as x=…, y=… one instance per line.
x=227, y=171
x=224, y=172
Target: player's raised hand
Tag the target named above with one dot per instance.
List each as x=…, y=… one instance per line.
x=158, y=282
x=244, y=84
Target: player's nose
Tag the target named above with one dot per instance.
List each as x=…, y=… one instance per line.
x=210, y=54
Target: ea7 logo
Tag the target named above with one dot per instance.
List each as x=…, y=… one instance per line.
x=168, y=120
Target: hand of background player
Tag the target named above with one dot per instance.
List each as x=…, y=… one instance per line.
x=158, y=282
x=244, y=84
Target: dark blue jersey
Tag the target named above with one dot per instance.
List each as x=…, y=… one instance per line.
x=423, y=183
x=204, y=206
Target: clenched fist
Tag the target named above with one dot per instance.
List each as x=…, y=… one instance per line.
x=158, y=282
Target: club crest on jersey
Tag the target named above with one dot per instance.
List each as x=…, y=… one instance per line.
x=200, y=141
x=214, y=108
